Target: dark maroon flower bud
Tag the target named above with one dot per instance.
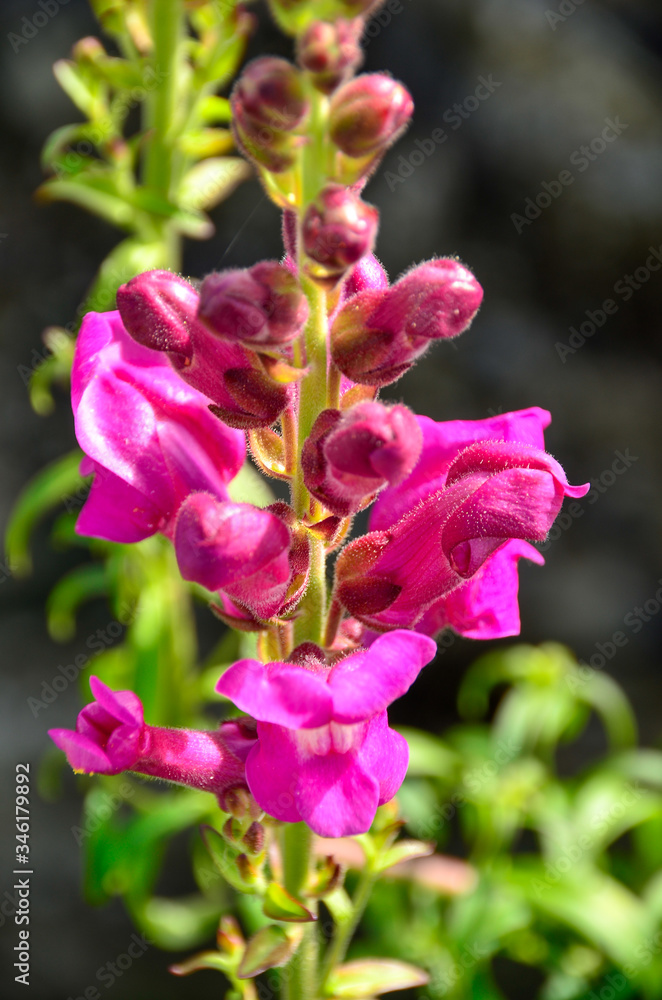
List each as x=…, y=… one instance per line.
x=262, y=306
x=368, y=114
x=270, y=91
x=338, y=229
x=350, y=456
x=331, y=52
x=268, y=103
x=159, y=310
x=377, y=335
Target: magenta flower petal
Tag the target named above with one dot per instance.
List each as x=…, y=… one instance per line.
x=442, y=442
x=237, y=548
x=282, y=693
x=117, y=511
x=141, y=426
x=385, y=755
x=366, y=683
x=272, y=772
x=335, y=796
x=484, y=606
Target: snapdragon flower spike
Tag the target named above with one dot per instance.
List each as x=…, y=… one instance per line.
x=368, y=114
x=338, y=229
x=493, y=491
x=330, y=52
x=377, y=336
x=262, y=306
x=242, y=551
x=349, y=456
x=484, y=606
x=325, y=753
x=268, y=104
x=148, y=437
x=159, y=310
x=111, y=736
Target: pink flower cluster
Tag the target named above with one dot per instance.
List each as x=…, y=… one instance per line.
x=164, y=392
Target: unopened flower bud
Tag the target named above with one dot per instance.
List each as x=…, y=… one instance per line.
x=160, y=310
x=377, y=335
x=338, y=229
x=350, y=456
x=260, y=307
x=330, y=52
x=368, y=114
x=270, y=91
x=156, y=308
x=254, y=838
x=241, y=550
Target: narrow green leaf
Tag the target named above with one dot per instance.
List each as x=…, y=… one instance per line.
x=49, y=488
x=81, y=584
x=280, y=905
x=108, y=206
x=204, y=960
x=270, y=947
x=211, y=181
x=368, y=977
x=405, y=850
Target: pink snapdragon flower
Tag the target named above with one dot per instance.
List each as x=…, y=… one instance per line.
x=148, y=436
x=111, y=736
x=325, y=753
x=479, y=489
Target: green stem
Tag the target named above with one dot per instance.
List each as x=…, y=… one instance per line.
x=161, y=108
x=299, y=978
x=344, y=932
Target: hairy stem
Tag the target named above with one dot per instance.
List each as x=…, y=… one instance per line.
x=167, y=24
x=344, y=932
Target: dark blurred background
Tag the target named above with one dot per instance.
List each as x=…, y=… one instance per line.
x=518, y=88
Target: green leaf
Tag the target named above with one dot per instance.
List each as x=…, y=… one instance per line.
x=46, y=490
x=270, y=947
x=205, y=960
x=77, y=83
x=367, y=977
x=211, y=181
x=203, y=142
x=176, y=924
x=225, y=857
x=128, y=258
x=214, y=109
x=81, y=584
x=80, y=191
x=280, y=905
x=428, y=755
x=404, y=850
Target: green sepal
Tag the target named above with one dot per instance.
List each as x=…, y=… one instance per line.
x=226, y=858
x=405, y=850
x=280, y=905
x=204, y=960
x=270, y=947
